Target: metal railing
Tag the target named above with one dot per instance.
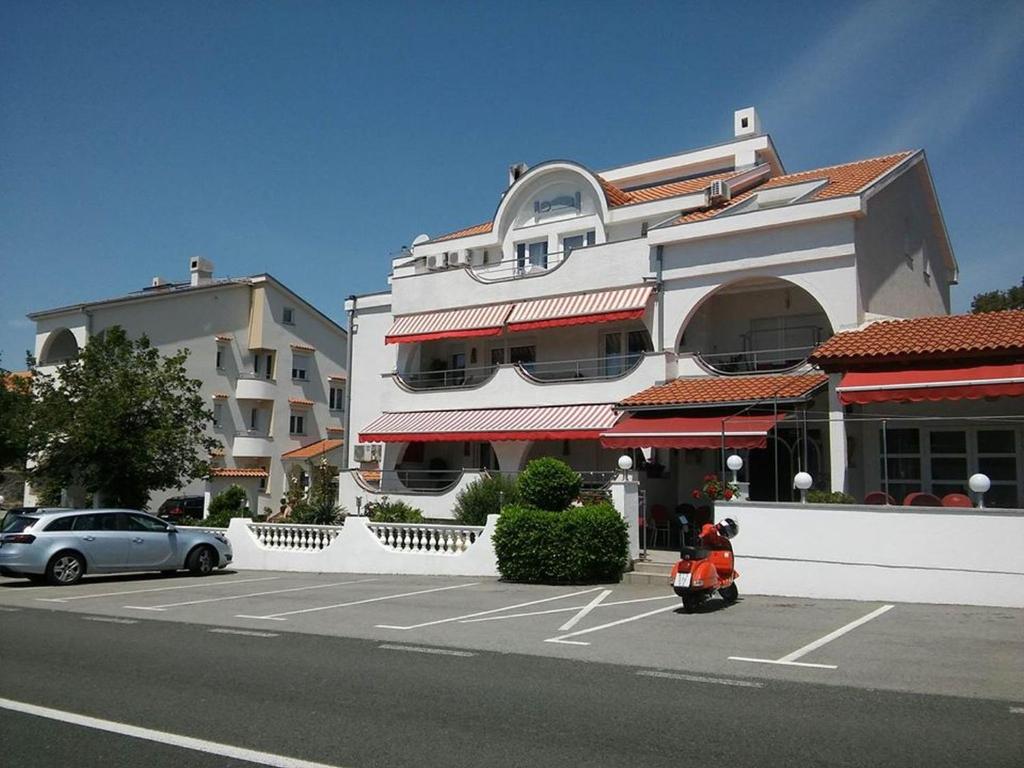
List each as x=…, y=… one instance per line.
x=608, y=367
x=756, y=360
x=518, y=267
x=400, y=481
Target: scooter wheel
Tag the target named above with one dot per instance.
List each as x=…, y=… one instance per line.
x=690, y=603
x=730, y=594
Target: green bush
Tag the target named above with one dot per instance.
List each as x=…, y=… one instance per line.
x=549, y=484
x=385, y=511
x=322, y=511
x=576, y=546
x=227, y=504
x=830, y=497
x=484, y=497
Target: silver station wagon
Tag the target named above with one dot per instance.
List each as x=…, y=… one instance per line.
x=61, y=546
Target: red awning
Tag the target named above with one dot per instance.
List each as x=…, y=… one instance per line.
x=581, y=309
x=449, y=324
x=690, y=431
x=558, y=422
x=915, y=386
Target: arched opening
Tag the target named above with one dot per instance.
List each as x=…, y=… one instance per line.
x=60, y=347
x=755, y=325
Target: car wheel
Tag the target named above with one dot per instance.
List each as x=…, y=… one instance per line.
x=202, y=561
x=65, y=568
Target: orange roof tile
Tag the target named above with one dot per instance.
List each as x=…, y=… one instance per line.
x=476, y=229
x=313, y=449
x=337, y=377
x=238, y=472
x=303, y=348
x=942, y=336
x=220, y=395
x=613, y=194
x=676, y=188
x=300, y=401
x=223, y=338
x=721, y=390
x=335, y=430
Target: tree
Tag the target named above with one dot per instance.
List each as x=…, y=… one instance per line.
x=993, y=301
x=120, y=421
x=15, y=417
x=321, y=506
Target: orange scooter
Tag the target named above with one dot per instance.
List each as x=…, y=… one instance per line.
x=707, y=567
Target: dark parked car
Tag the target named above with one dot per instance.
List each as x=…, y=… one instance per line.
x=180, y=508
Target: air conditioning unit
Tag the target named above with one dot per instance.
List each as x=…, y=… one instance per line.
x=719, y=191
x=461, y=258
x=367, y=452
x=437, y=261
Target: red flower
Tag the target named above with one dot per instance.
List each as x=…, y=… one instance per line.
x=695, y=494
x=728, y=494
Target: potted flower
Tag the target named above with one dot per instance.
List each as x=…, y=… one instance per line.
x=714, y=489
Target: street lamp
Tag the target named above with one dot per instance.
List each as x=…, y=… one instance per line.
x=802, y=481
x=625, y=464
x=735, y=464
x=980, y=484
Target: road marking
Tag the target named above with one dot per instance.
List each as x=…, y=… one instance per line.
x=206, y=583
x=424, y=649
x=567, y=610
x=110, y=620
x=5, y=609
x=280, y=616
x=246, y=632
x=165, y=606
x=584, y=611
x=790, y=659
x=161, y=737
x=700, y=679
x=563, y=638
x=494, y=610
x=1017, y=710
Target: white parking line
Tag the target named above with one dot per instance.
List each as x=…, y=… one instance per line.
x=110, y=620
x=165, y=606
x=790, y=659
x=246, y=632
x=5, y=609
x=207, y=582
x=565, y=641
x=424, y=649
x=280, y=616
x=486, y=613
x=161, y=737
x=584, y=611
x=1017, y=710
x=700, y=679
x=566, y=610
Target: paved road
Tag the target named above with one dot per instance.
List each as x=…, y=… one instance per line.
x=356, y=703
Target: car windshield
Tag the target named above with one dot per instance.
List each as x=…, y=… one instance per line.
x=17, y=523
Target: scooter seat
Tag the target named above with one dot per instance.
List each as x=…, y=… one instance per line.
x=693, y=553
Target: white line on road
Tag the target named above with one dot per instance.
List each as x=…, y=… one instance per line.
x=700, y=679
x=564, y=638
x=246, y=632
x=493, y=610
x=280, y=616
x=567, y=610
x=110, y=620
x=165, y=606
x=5, y=609
x=207, y=582
x=584, y=611
x=161, y=737
x=790, y=659
x=424, y=649
x=1017, y=710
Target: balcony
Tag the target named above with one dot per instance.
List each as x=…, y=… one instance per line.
x=251, y=386
x=755, y=360
x=517, y=268
x=252, y=444
x=583, y=369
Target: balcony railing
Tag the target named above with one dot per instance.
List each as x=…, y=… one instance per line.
x=756, y=360
x=589, y=368
x=518, y=267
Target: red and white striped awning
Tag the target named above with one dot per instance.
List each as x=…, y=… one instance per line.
x=642, y=431
x=556, y=422
x=915, y=386
x=449, y=324
x=581, y=308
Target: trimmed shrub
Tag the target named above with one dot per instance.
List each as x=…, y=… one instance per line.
x=385, y=511
x=549, y=484
x=484, y=497
x=227, y=504
x=827, y=497
x=577, y=546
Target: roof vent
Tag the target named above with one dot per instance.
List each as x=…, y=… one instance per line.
x=159, y=282
x=201, y=271
x=515, y=171
x=746, y=122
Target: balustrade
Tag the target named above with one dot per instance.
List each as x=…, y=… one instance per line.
x=303, y=538
x=426, y=537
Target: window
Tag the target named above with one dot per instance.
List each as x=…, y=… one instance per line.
x=622, y=350
x=220, y=357
x=297, y=424
x=948, y=462
x=299, y=365
x=218, y=414
x=263, y=365
x=288, y=316
x=146, y=524
x=337, y=397
x=535, y=254
x=577, y=241
x=902, y=451
x=997, y=458
x=254, y=420
x=61, y=524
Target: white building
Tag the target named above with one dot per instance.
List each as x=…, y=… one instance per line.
x=272, y=367
x=564, y=314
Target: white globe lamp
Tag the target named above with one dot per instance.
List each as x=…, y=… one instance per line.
x=625, y=462
x=980, y=484
x=735, y=464
x=802, y=481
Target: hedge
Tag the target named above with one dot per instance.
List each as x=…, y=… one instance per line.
x=485, y=496
x=549, y=483
x=576, y=546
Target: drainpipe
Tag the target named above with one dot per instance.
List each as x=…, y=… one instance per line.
x=660, y=288
x=352, y=330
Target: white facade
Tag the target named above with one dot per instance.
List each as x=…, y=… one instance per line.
x=751, y=269
x=231, y=329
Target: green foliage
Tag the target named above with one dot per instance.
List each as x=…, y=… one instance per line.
x=994, y=301
x=483, y=497
x=386, y=511
x=320, y=506
x=15, y=418
x=830, y=497
x=549, y=484
x=120, y=421
x=576, y=546
x=227, y=504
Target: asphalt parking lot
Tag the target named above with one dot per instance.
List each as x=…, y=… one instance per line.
x=948, y=650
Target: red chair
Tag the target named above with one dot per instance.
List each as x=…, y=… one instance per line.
x=957, y=500
x=659, y=518
x=922, y=500
x=879, y=498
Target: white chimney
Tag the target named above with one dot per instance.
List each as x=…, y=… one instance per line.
x=745, y=122
x=201, y=271
x=158, y=282
x=515, y=171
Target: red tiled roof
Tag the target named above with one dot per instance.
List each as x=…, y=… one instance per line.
x=303, y=348
x=613, y=194
x=223, y=338
x=300, y=401
x=238, y=472
x=943, y=336
x=337, y=377
x=676, y=188
x=313, y=449
x=720, y=390
x=476, y=229
x=220, y=395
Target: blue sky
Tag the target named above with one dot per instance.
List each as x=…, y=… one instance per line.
x=311, y=139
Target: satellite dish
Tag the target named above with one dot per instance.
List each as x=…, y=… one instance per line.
x=421, y=239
